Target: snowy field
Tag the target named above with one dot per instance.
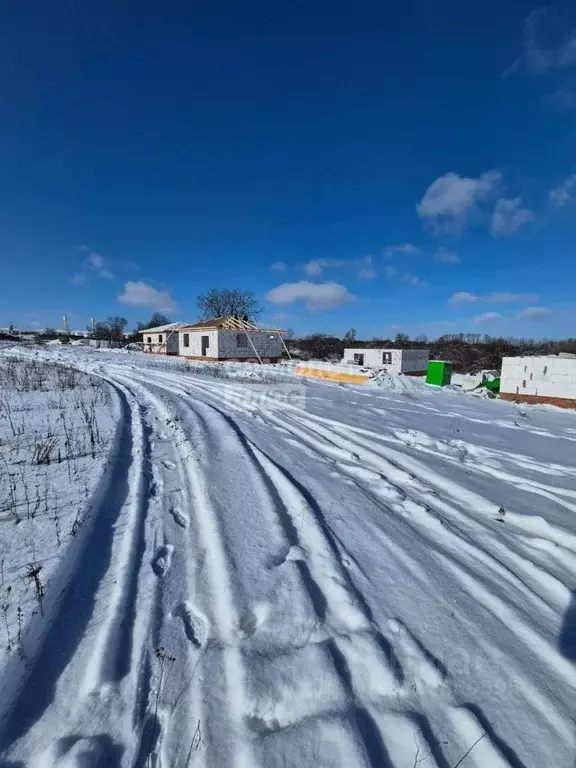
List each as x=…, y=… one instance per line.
x=269, y=571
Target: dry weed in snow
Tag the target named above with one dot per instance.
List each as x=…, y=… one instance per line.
x=56, y=429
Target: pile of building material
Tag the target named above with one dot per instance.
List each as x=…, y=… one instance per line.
x=350, y=374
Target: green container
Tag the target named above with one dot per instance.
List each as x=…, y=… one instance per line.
x=439, y=373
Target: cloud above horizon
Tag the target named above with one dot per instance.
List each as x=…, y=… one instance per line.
x=561, y=196
x=508, y=217
x=406, y=248
x=315, y=296
x=488, y=317
x=549, y=51
x=537, y=314
x=496, y=297
x=452, y=201
x=140, y=294
x=548, y=44
x=97, y=263
x=316, y=267
x=94, y=264
x=446, y=256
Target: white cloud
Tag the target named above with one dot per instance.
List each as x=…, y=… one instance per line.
x=278, y=266
x=561, y=195
x=446, y=256
x=404, y=277
x=313, y=268
x=505, y=297
x=508, y=217
x=367, y=271
x=407, y=248
x=139, y=294
x=463, y=297
x=316, y=296
x=95, y=262
x=564, y=96
x=535, y=313
x=316, y=267
x=548, y=44
x=496, y=297
x=488, y=317
x=79, y=278
x=452, y=200
x=411, y=279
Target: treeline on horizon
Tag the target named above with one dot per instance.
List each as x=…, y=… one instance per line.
x=469, y=352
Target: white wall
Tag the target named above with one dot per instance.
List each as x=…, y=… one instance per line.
x=402, y=360
x=195, y=343
x=542, y=376
x=152, y=342
x=224, y=344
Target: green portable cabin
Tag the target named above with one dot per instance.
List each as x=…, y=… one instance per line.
x=439, y=373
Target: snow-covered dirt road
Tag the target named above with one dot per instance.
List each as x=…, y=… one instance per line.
x=289, y=573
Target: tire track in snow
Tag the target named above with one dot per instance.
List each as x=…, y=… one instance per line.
x=164, y=717
x=222, y=656
x=348, y=633
x=409, y=485
x=408, y=480
x=271, y=726
x=361, y=657
x=401, y=484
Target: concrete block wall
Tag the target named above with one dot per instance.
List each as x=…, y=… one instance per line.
x=402, y=360
x=224, y=344
x=266, y=344
x=414, y=360
x=539, y=376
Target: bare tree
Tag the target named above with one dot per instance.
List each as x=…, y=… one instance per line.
x=111, y=329
x=155, y=321
x=219, y=302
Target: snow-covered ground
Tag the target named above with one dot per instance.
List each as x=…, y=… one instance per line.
x=287, y=572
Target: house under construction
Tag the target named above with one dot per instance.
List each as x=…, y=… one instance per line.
x=222, y=338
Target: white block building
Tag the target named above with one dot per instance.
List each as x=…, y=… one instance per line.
x=410, y=361
x=223, y=338
x=546, y=379
x=229, y=338
x=162, y=340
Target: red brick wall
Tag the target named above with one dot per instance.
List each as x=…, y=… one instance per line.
x=561, y=402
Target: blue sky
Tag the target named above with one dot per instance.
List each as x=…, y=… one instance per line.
x=379, y=166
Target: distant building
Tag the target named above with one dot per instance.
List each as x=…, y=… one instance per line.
x=222, y=338
x=542, y=379
x=162, y=340
x=408, y=361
